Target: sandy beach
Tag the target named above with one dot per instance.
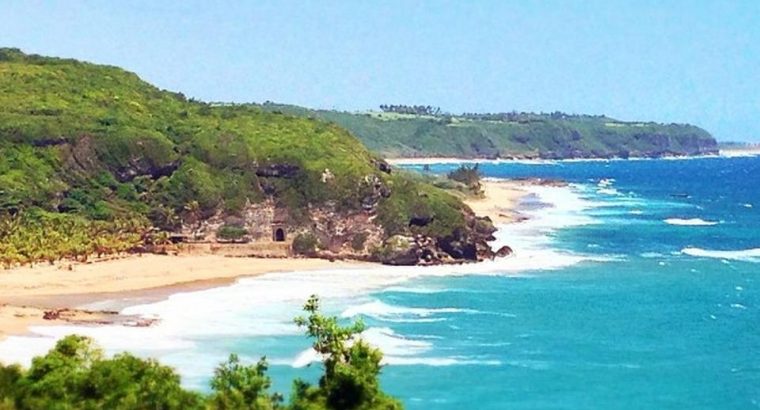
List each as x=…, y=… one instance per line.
x=60, y=290
x=26, y=293
x=500, y=200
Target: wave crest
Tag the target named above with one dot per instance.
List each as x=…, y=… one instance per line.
x=384, y=311
x=689, y=222
x=748, y=255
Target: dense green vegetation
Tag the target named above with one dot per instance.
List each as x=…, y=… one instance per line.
x=37, y=235
x=305, y=244
x=75, y=374
x=414, y=131
x=86, y=146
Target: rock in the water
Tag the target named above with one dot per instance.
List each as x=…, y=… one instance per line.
x=504, y=251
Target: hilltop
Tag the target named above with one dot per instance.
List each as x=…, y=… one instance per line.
x=400, y=131
x=95, y=160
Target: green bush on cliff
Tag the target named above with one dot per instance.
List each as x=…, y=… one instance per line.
x=231, y=232
x=75, y=374
x=305, y=244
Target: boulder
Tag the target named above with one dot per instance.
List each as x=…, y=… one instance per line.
x=399, y=250
x=504, y=251
x=382, y=165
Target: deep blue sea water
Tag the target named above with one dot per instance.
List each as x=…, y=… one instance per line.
x=652, y=301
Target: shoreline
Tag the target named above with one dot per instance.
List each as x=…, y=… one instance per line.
x=95, y=293
x=456, y=160
x=501, y=200
x=92, y=293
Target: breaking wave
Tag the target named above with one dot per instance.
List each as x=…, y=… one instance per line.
x=689, y=222
x=748, y=255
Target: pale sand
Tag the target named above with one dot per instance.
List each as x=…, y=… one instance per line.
x=500, y=201
x=26, y=292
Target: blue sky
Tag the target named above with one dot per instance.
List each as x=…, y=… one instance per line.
x=668, y=61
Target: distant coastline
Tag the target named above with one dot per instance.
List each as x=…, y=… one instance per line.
x=454, y=160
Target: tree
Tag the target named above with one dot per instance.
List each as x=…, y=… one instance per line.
x=352, y=367
x=237, y=386
x=74, y=375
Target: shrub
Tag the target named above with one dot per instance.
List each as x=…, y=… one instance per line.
x=305, y=244
x=357, y=242
x=467, y=175
x=231, y=232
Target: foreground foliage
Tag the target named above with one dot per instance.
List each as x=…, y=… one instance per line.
x=76, y=375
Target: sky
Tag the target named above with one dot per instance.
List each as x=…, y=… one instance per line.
x=667, y=61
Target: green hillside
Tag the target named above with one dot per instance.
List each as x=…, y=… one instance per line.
x=413, y=131
x=90, y=151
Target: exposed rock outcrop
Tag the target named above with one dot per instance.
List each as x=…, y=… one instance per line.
x=278, y=171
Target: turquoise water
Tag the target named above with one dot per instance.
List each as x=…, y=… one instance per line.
x=635, y=287
x=652, y=328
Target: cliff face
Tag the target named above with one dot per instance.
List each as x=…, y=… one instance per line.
x=83, y=142
x=514, y=135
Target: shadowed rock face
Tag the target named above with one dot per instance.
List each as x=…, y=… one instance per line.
x=420, y=220
x=382, y=165
x=278, y=171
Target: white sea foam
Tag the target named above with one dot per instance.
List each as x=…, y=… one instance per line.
x=380, y=310
x=748, y=255
x=412, y=289
x=437, y=361
x=650, y=255
x=689, y=222
x=306, y=357
x=605, y=182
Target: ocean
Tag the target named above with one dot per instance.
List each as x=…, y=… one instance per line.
x=634, y=287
